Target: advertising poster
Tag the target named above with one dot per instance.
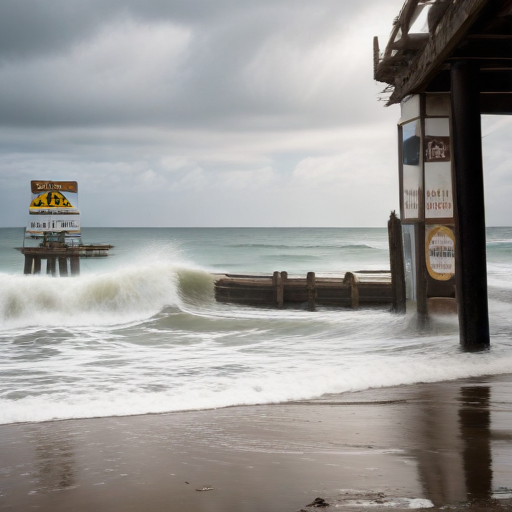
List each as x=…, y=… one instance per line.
x=440, y=252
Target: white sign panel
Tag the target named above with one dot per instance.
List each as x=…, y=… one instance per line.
x=438, y=190
x=44, y=223
x=438, y=170
x=412, y=190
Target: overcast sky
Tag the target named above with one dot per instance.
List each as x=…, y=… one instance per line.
x=208, y=113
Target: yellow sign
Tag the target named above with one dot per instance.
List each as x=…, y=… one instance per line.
x=50, y=200
x=440, y=252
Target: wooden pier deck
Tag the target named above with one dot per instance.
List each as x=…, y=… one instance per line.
x=60, y=259
x=352, y=289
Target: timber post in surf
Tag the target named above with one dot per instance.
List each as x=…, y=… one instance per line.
x=277, y=282
x=396, y=257
x=351, y=279
x=471, y=266
x=311, y=285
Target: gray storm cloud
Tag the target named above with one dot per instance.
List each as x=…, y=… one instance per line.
x=227, y=113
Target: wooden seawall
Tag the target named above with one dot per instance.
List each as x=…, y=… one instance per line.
x=365, y=288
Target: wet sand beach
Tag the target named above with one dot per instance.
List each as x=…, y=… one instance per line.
x=441, y=444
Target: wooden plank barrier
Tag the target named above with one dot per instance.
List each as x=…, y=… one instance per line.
x=362, y=288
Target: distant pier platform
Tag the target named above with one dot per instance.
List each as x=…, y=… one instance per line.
x=60, y=260
x=351, y=289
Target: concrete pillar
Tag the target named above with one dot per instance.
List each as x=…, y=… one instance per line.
x=471, y=266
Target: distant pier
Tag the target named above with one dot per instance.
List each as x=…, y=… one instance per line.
x=60, y=260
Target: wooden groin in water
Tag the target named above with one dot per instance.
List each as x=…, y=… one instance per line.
x=354, y=289
x=350, y=289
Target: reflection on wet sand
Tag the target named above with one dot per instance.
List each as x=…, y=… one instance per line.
x=385, y=447
x=55, y=462
x=475, y=431
x=454, y=453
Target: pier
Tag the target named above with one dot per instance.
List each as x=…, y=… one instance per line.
x=446, y=63
x=60, y=261
x=53, y=232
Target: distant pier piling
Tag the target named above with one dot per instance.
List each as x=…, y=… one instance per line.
x=60, y=261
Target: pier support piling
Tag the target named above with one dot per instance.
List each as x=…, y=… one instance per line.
x=396, y=256
x=471, y=267
x=51, y=266
x=63, y=267
x=28, y=264
x=75, y=265
x=37, y=264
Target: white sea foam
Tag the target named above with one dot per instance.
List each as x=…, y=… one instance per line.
x=111, y=391
x=140, y=333
x=131, y=293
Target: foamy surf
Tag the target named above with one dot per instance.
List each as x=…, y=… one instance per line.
x=137, y=378
x=140, y=332
x=130, y=294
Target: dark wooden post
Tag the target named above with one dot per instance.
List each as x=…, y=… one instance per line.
x=51, y=266
x=63, y=266
x=75, y=265
x=28, y=264
x=284, y=278
x=351, y=279
x=311, y=284
x=470, y=256
x=396, y=257
x=277, y=282
x=37, y=264
x=421, y=273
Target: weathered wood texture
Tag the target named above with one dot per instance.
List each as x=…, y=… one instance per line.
x=63, y=267
x=29, y=260
x=396, y=259
x=356, y=288
x=83, y=251
x=452, y=28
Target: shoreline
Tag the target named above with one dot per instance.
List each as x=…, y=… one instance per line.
x=446, y=443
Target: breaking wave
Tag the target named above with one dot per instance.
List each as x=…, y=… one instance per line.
x=129, y=294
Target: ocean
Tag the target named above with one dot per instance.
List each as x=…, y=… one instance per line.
x=140, y=332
